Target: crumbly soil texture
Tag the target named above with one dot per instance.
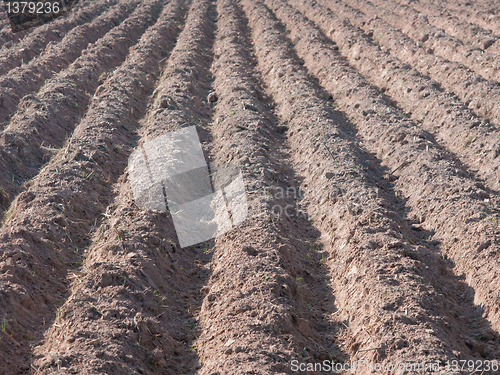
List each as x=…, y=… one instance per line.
x=367, y=137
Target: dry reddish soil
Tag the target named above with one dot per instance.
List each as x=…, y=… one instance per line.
x=367, y=133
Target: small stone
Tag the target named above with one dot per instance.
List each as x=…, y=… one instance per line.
x=196, y=101
x=281, y=129
x=250, y=250
x=488, y=43
x=205, y=289
x=423, y=17
x=482, y=194
x=483, y=246
x=250, y=107
x=304, y=327
x=285, y=251
x=400, y=343
x=163, y=362
x=261, y=159
x=157, y=355
x=212, y=97
x=480, y=348
x=167, y=102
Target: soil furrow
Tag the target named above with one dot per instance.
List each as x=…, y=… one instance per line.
x=458, y=215
x=382, y=309
x=479, y=13
x=135, y=261
x=463, y=30
x=46, y=119
x=30, y=77
x=8, y=39
x=267, y=301
x=480, y=95
x=425, y=38
x=49, y=225
x=441, y=113
x=34, y=42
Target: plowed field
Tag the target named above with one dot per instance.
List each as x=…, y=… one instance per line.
x=367, y=134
